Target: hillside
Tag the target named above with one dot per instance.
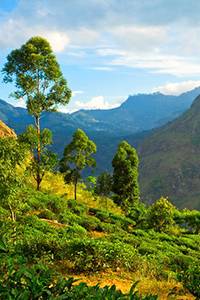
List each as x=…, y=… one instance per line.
x=170, y=161
x=106, y=127
x=5, y=131
x=93, y=240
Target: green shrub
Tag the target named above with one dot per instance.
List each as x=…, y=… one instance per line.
x=103, y=216
x=191, y=280
x=90, y=223
x=160, y=215
x=180, y=262
x=76, y=208
x=47, y=214
x=76, y=230
x=4, y=213
x=36, y=244
x=40, y=282
x=67, y=217
x=92, y=255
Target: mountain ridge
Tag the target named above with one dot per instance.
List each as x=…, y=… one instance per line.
x=170, y=160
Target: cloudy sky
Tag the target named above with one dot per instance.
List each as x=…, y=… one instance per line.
x=109, y=49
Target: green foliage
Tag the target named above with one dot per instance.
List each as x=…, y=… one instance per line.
x=160, y=216
x=40, y=282
x=39, y=80
x=125, y=176
x=188, y=219
x=48, y=159
x=37, y=76
x=63, y=234
x=91, y=223
x=92, y=255
x=138, y=212
x=104, y=184
x=191, y=280
x=76, y=157
x=90, y=183
x=11, y=157
x=76, y=230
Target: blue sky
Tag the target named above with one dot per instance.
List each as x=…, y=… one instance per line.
x=109, y=49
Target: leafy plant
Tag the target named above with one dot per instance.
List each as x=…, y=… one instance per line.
x=191, y=279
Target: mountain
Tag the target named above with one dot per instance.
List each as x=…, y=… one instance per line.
x=170, y=161
x=131, y=121
x=138, y=113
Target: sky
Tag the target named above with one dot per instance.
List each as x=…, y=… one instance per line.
x=109, y=49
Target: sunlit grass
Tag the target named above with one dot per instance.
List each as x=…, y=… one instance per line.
x=54, y=183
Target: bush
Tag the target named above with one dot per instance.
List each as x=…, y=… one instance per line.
x=67, y=217
x=76, y=230
x=76, y=208
x=36, y=244
x=191, y=280
x=90, y=223
x=93, y=255
x=160, y=216
x=103, y=216
x=40, y=282
x=47, y=214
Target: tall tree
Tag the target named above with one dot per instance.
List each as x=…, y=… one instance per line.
x=39, y=80
x=125, y=176
x=76, y=157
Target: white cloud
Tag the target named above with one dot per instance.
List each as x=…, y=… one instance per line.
x=84, y=36
x=158, y=36
x=177, y=88
x=140, y=39
x=17, y=32
x=97, y=102
x=110, y=52
x=19, y=103
x=162, y=64
x=58, y=40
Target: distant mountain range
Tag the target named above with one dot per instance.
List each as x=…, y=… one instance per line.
x=170, y=157
x=170, y=160
x=138, y=113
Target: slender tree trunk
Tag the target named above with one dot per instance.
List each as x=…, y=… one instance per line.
x=38, y=175
x=12, y=214
x=75, y=188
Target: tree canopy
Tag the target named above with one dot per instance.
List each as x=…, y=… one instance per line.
x=37, y=76
x=77, y=156
x=125, y=175
x=39, y=81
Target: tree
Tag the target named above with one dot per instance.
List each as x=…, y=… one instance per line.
x=104, y=184
x=125, y=176
x=39, y=81
x=76, y=157
x=161, y=215
x=11, y=157
x=48, y=159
